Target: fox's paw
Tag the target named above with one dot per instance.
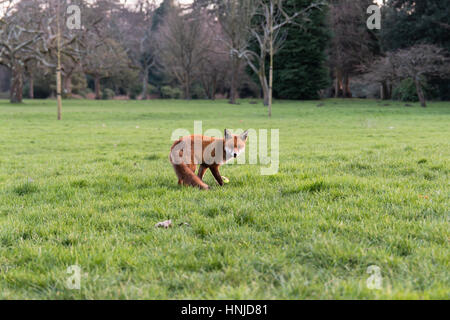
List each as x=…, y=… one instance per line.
x=203, y=186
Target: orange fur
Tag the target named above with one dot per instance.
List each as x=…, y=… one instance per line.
x=230, y=146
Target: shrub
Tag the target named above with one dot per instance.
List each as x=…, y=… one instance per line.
x=152, y=90
x=405, y=91
x=166, y=92
x=108, y=94
x=84, y=92
x=79, y=82
x=134, y=91
x=170, y=93
x=197, y=92
x=177, y=93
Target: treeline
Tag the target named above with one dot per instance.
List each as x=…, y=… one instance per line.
x=407, y=59
x=226, y=49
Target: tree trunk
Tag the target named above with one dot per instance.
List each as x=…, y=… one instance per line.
x=235, y=64
x=233, y=84
x=338, y=84
x=265, y=90
x=383, y=91
x=58, y=67
x=270, y=95
x=271, y=53
x=16, y=92
x=207, y=84
x=347, y=93
x=264, y=85
x=214, y=88
x=145, y=84
x=58, y=89
x=68, y=85
x=187, y=88
x=420, y=93
x=97, y=87
x=31, y=92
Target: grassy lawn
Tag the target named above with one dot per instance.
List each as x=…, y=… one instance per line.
x=360, y=184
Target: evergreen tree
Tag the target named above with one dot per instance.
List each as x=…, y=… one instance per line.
x=161, y=12
x=409, y=22
x=300, y=66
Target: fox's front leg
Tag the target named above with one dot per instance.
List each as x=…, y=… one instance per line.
x=216, y=174
x=202, y=171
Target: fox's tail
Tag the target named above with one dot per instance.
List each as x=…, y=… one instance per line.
x=186, y=174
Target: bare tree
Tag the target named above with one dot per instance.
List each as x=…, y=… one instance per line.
x=139, y=38
x=213, y=72
x=102, y=59
x=415, y=63
x=351, y=44
x=31, y=68
x=420, y=61
x=383, y=72
x=102, y=54
x=214, y=67
x=235, y=18
x=61, y=44
x=270, y=18
x=183, y=40
x=20, y=41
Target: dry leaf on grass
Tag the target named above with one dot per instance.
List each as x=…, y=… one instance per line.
x=165, y=224
x=168, y=224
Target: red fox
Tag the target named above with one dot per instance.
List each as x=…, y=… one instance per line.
x=209, y=153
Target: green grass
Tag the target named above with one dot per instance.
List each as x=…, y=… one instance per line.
x=360, y=184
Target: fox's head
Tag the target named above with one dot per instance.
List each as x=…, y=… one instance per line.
x=234, y=144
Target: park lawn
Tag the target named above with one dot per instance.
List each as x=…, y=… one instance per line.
x=361, y=183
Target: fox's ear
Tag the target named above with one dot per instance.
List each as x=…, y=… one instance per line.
x=244, y=136
x=227, y=134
